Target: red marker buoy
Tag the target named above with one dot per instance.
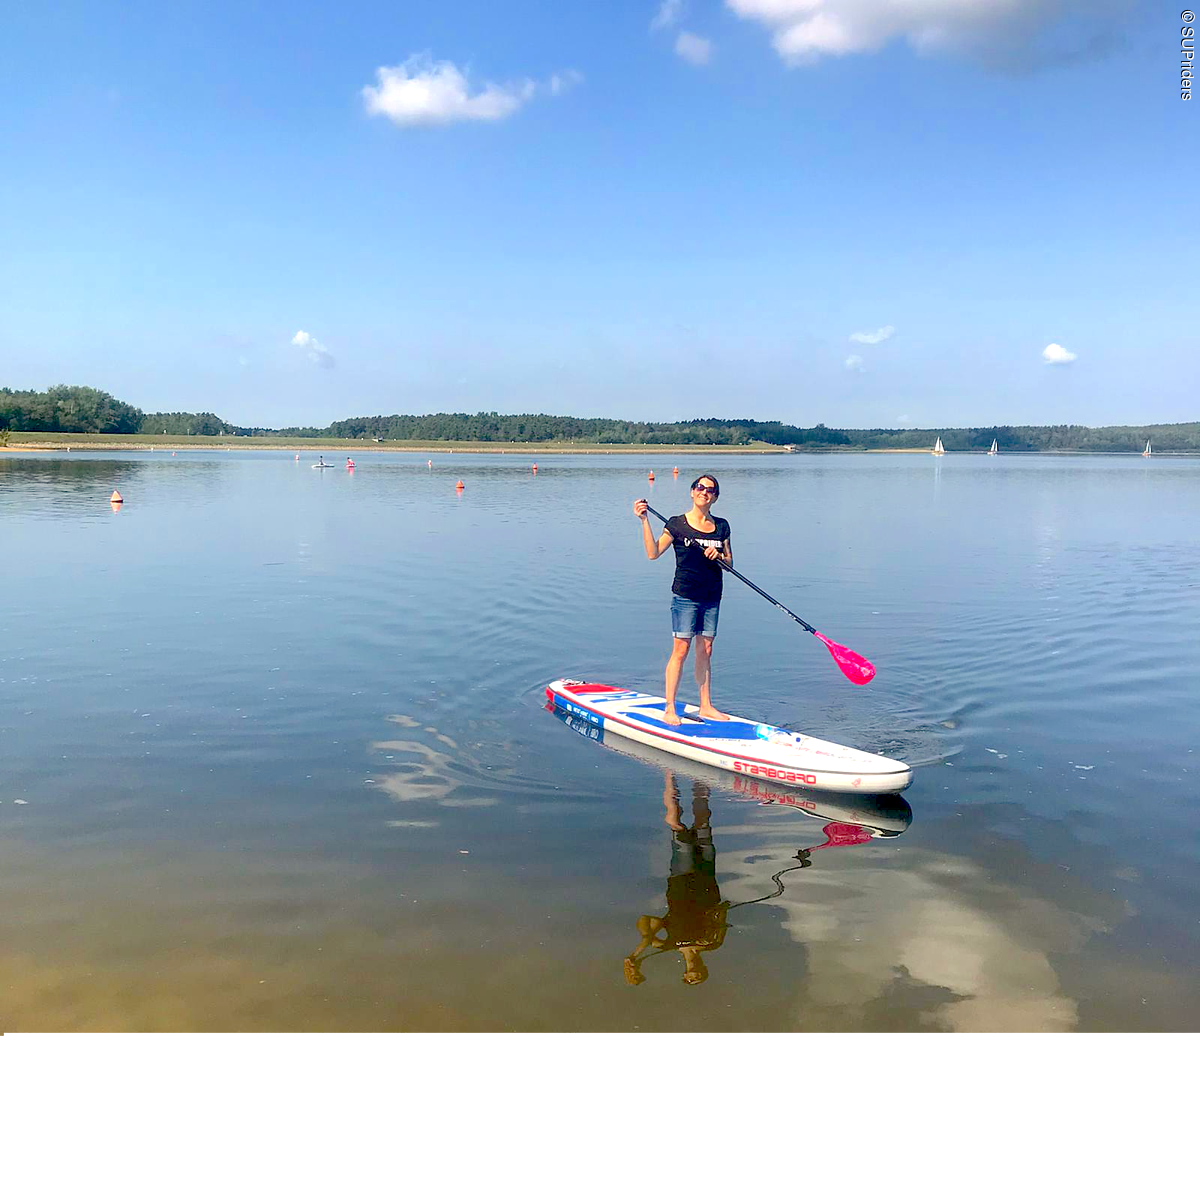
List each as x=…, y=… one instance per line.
x=535, y=468
x=458, y=487
x=650, y=477
x=116, y=498
x=675, y=472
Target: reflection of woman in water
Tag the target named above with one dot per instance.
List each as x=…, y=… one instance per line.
x=695, y=918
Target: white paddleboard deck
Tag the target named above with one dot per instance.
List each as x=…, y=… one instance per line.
x=745, y=747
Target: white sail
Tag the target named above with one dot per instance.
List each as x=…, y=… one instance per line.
x=994, y=449
x=1147, y=452
x=939, y=448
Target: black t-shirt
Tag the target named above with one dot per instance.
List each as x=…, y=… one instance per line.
x=697, y=578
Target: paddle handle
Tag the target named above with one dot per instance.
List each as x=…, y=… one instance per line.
x=748, y=582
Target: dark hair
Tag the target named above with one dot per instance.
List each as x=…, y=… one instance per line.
x=707, y=475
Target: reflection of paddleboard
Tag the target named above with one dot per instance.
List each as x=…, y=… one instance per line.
x=747, y=748
x=883, y=816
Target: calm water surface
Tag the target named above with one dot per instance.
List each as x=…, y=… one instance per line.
x=273, y=750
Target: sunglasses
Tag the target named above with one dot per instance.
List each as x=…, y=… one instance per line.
x=703, y=487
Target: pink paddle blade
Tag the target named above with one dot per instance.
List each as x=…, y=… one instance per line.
x=841, y=834
x=854, y=666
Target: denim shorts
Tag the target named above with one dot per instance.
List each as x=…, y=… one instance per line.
x=690, y=617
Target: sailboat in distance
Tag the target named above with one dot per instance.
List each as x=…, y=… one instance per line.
x=1147, y=452
x=994, y=449
x=939, y=448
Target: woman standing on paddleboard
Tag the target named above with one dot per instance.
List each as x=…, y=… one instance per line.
x=701, y=543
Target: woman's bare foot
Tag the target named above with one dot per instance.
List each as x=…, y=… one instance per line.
x=670, y=716
x=711, y=714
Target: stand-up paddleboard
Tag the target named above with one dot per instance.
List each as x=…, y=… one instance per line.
x=882, y=815
x=747, y=748
x=322, y=466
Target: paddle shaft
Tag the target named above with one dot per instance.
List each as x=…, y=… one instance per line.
x=748, y=582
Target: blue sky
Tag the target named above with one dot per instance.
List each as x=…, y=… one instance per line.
x=639, y=209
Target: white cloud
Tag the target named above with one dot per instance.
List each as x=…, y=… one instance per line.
x=669, y=13
x=316, y=352
x=982, y=952
x=904, y=419
x=562, y=81
x=423, y=92
x=805, y=30
x=873, y=339
x=1055, y=355
x=855, y=363
x=693, y=48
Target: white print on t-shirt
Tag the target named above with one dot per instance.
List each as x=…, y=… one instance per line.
x=713, y=542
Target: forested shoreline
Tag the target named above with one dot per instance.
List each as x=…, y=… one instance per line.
x=73, y=409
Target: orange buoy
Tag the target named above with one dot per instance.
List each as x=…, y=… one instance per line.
x=675, y=472
x=651, y=476
x=458, y=487
x=116, y=498
x=535, y=468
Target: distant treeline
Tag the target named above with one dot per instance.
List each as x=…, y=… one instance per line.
x=67, y=409
x=1101, y=439
x=539, y=427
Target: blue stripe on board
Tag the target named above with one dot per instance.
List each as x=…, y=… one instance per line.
x=576, y=711
x=693, y=728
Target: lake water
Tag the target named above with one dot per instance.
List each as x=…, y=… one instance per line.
x=274, y=751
